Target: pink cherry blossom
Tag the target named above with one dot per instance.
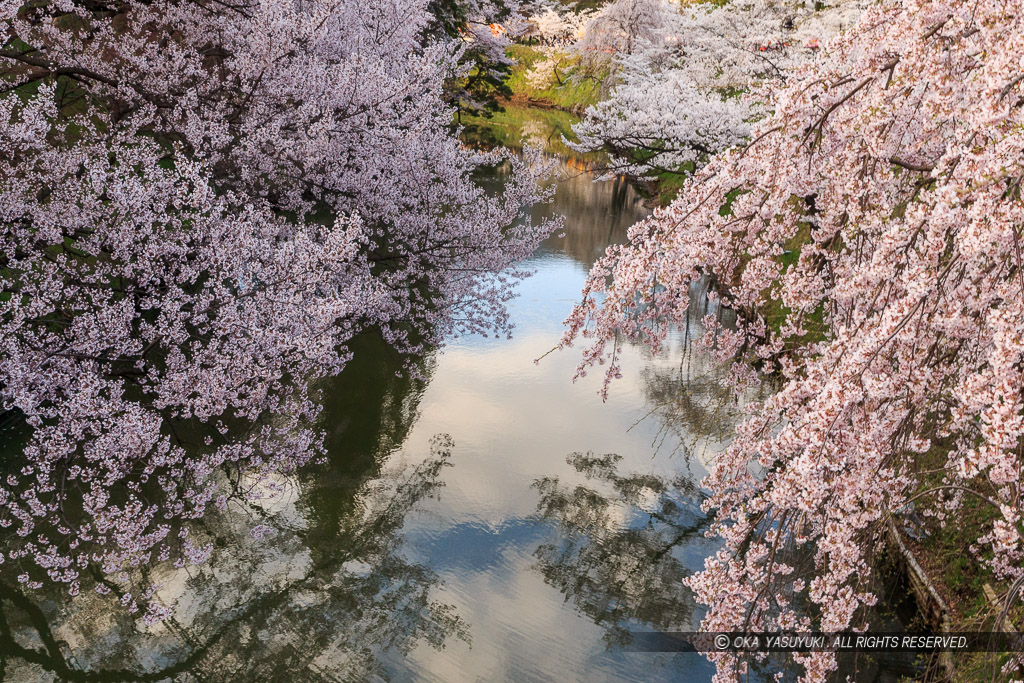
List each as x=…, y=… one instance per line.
x=878, y=208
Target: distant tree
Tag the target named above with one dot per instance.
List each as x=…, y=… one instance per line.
x=621, y=27
x=554, y=24
x=674, y=91
x=550, y=26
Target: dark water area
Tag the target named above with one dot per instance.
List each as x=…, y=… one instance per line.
x=494, y=522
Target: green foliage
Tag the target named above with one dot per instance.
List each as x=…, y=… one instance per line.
x=484, y=84
x=449, y=17
x=515, y=126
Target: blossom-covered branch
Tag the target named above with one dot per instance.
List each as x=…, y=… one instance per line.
x=677, y=82
x=868, y=238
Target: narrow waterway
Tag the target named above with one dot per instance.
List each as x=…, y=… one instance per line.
x=545, y=537
x=492, y=522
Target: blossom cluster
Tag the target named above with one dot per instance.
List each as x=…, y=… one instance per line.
x=552, y=25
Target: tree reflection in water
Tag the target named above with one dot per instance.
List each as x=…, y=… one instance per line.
x=319, y=599
x=619, y=555
x=272, y=609
x=627, y=542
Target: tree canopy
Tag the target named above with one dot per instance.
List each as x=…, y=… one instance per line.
x=200, y=205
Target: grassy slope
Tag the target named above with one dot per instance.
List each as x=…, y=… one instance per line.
x=573, y=95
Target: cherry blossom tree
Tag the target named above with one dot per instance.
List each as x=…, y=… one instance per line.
x=558, y=33
x=868, y=239
x=550, y=26
x=483, y=29
x=621, y=27
x=554, y=25
x=674, y=97
x=200, y=205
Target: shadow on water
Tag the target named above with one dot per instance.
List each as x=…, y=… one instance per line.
x=367, y=414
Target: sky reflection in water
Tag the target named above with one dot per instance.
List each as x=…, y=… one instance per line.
x=542, y=571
